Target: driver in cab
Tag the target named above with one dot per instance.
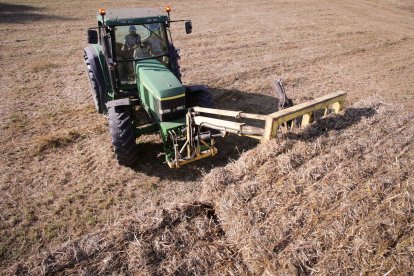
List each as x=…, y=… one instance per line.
x=130, y=47
x=131, y=40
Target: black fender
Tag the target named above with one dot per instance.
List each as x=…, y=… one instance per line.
x=119, y=102
x=93, y=58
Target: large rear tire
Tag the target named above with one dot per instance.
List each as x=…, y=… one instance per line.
x=123, y=138
x=202, y=98
x=95, y=91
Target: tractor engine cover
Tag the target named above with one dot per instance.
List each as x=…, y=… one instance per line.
x=160, y=90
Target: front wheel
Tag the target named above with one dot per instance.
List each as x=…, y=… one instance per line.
x=95, y=90
x=122, y=134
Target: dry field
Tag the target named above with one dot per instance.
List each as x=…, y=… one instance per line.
x=334, y=198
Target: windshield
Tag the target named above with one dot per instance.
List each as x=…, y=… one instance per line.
x=140, y=41
x=136, y=42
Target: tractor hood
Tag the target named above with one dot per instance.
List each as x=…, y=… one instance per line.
x=161, y=93
x=158, y=80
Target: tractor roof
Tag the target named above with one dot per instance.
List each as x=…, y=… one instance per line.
x=129, y=16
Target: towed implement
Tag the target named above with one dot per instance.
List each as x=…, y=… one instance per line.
x=135, y=79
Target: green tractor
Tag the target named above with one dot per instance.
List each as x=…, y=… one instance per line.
x=135, y=79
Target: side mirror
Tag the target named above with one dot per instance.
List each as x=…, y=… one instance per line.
x=92, y=37
x=188, y=27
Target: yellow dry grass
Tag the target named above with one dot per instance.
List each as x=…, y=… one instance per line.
x=320, y=201
x=73, y=189
x=334, y=199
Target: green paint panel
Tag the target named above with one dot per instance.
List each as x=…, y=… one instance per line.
x=105, y=70
x=158, y=80
x=165, y=126
x=102, y=62
x=176, y=125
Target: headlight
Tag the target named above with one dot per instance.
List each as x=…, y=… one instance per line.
x=164, y=111
x=178, y=108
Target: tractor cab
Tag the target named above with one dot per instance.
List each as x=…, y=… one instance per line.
x=139, y=42
x=129, y=36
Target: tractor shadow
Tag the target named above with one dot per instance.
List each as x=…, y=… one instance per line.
x=229, y=148
x=20, y=14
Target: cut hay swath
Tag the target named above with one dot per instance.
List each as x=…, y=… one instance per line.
x=334, y=198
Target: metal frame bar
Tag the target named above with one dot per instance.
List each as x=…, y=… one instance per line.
x=272, y=123
x=274, y=120
x=229, y=113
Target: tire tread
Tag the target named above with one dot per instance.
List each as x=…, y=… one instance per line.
x=122, y=134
